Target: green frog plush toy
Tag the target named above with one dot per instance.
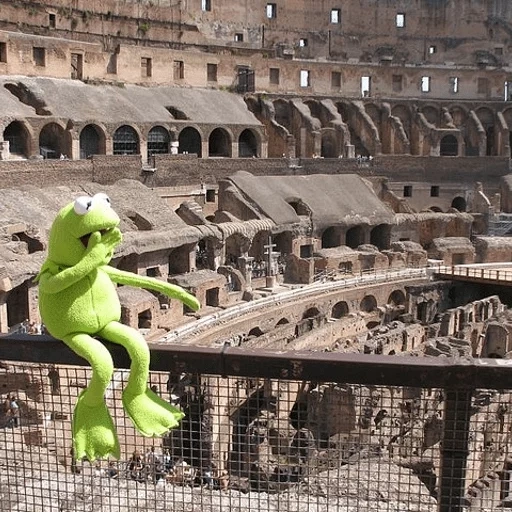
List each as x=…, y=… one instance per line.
x=78, y=302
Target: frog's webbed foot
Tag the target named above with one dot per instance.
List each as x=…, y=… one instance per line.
x=94, y=434
x=151, y=415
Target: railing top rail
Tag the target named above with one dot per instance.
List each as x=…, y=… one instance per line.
x=293, y=365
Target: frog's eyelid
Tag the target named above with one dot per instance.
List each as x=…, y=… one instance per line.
x=82, y=205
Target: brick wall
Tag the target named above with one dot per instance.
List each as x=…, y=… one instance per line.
x=172, y=172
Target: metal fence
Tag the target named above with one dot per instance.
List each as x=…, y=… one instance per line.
x=263, y=431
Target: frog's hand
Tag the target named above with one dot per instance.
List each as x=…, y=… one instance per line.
x=53, y=279
x=94, y=434
x=150, y=414
x=171, y=290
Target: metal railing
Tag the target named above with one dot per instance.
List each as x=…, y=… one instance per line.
x=485, y=272
x=264, y=431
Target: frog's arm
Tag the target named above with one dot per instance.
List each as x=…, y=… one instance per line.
x=171, y=290
x=53, y=280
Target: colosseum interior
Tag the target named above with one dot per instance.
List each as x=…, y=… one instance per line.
x=325, y=177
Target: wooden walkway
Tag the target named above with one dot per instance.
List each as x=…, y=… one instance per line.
x=498, y=273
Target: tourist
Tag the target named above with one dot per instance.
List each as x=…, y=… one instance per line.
x=112, y=471
x=136, y=467
x=53, y=375
x=15, y=412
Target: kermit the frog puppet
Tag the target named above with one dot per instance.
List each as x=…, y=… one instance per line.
x=78, y=302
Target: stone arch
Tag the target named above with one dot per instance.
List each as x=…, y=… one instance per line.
x=314, y=108
x=283, y=114
x=431, y=114
x=126, y=141
x=368, y=304
x=403, y=113
x=236, y=245
x=311, y=312
x=435, y=209
x=486, y=117
x=190, y=141
x=19, y=138
x=507, y=114
x=449, y=146
x=396, y=298
x=354, y=237
x=256, y=332
x=331, y=237
x=283, y=321
x=300, y=207
x=459, y=115
x=380, y=236
x=459, y=203
x=219, y=143
x=248, y=145
x=257, y=249
x=284, y=242
x=54, y=141
x=92, y=141
x=376, y=115
x=340, y=309
x=329, y=144
x=158, y=141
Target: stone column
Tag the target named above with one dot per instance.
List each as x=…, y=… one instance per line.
x=245, y=267
x=204, y=149
x=4, y=150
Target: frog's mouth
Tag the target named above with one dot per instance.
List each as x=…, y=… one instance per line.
x=85, y=239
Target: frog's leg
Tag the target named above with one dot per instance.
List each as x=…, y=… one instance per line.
x=94, y=434
x=151, y=415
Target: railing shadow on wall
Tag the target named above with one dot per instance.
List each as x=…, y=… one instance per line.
x=265, y=430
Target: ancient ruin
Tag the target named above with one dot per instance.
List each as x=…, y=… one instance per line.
x=312, y=175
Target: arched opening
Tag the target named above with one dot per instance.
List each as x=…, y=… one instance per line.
x=247, y=144
x=256, y=332
x=489, y=132
x=92, y=141
x=354, y=237
x=339, y=310
x=52, y=141
x=282, y=321
x=329, y=149
x=380, y=236
x=331, y=238
x=236, y=245
x=397, y=298
x=283, y=114
x=158, y=141
x=190, y=141
x=299, y=206
x=17, y=136
x=219, y=143
x=435, y=209
x=126, y=141
x=449, y=146
x=311, y=313
x=368, y=304
x=459, y=203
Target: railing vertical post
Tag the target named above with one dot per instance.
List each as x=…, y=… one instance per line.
x=454, y=450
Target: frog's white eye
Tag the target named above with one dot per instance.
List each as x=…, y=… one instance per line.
x=101, y=198
x=82, y=205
